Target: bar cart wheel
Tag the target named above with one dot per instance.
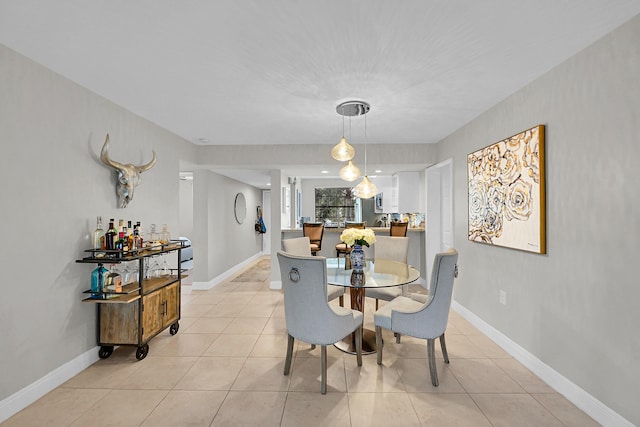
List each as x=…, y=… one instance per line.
x=142, y=351
x=105, y=351
x=173, y=329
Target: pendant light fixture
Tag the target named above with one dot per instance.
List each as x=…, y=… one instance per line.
x=366, y=189
x=350, y=172
x=343, y=151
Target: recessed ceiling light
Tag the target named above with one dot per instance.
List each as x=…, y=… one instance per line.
x=268, y=184
x=378, y=171
x=324, y=171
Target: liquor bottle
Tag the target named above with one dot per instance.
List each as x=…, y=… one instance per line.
x=113, y=280
x=97, y=281
x=153, y=236
x=120, y=242
x=139, y=228
x=137, y=241
x=131, y=240
x=120, y=229
x=166, y=236
x=111, y=236
x=129, y=234
x=125, y=240
x=98, y=234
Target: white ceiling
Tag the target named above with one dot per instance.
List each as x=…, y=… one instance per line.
x=272, y=72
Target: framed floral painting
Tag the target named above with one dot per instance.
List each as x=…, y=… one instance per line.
x=507, y=192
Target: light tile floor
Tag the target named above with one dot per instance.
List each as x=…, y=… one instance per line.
x=224, y=368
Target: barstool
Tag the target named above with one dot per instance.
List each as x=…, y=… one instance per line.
x=398, y=229
x=343, y=248
x=314, y=231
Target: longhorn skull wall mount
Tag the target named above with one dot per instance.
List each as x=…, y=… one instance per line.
x=128, y=175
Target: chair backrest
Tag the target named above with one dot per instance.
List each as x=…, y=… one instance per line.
x=297, y=246
x=392, y=248
x=398, y=229
x=350, y=224
x=430, y=321
x=306, y=310
x=314, y=231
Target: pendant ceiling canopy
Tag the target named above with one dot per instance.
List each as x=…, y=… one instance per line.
x=353, y=108
x=345, y=152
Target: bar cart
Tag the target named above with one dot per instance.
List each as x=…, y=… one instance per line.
x=141, y=309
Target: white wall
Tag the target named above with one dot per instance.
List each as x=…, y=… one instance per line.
x=576, y=308
x=54, y=186
x=186, y=208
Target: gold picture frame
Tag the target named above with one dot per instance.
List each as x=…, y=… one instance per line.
x=506, y=183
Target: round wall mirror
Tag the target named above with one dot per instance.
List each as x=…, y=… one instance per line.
x=240, y=208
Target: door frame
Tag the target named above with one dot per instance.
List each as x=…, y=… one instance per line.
x=266, y=209
x=439, y=232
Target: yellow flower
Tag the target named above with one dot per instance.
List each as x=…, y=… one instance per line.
x=358, y=236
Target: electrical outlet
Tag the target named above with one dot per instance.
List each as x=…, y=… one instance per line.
x=503, y=297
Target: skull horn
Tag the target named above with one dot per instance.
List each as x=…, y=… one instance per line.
x=104, y=156
x=149, y=165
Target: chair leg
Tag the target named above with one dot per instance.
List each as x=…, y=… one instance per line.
x=313, y=346
x=359, y=345
x=379, y=344
x=398, y=335
x=323, y=358
x=443, y=346
x=432, y=361
x=341, y=300
x=287, y=362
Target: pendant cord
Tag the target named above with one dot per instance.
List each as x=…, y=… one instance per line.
x=365, y=145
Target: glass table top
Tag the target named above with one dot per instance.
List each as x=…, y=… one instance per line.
x=379, y=273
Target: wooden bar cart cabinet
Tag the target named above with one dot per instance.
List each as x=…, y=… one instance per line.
x=143, y=308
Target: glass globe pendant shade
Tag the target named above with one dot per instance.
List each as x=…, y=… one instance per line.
x=343, y=151
x=366, y=189
x=350, y=172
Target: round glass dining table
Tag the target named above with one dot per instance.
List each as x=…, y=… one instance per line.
x=377, y=273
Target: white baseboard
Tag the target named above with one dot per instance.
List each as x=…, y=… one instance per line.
x=205, y=286
x=34, y=391
x=583, y=400
x=276, y=284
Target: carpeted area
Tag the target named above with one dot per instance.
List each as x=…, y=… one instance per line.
x=259, y=272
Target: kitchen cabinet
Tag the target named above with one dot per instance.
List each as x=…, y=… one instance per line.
x=405, y=192
x=141, y=309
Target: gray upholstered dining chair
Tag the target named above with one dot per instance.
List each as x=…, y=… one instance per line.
x=426, y=320
x=300, y=246
x=394, y=249
x=308, y=315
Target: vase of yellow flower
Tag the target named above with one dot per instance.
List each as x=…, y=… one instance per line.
x=357, y=238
